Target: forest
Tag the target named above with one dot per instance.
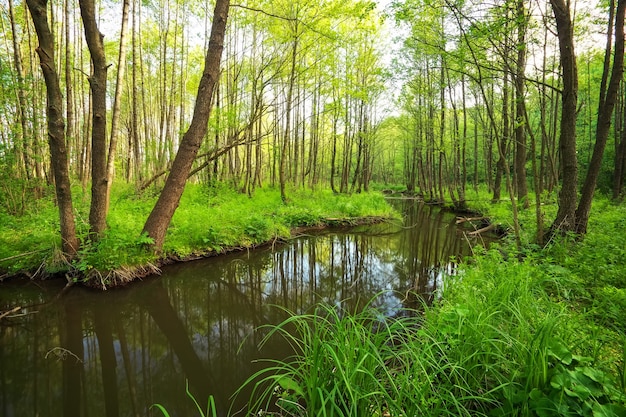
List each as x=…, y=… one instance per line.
x=138, y=133
x=434, y=97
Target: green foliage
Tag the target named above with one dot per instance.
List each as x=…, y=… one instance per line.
x=506, y=337
x=214, y=218
x=210, y=408
x=335, y=372
x=217, y=218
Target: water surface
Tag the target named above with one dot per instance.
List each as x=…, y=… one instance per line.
x=116, y=353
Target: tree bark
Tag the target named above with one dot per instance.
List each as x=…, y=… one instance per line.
x=115, y=118
x=56, y=126
x=520, y=125
x=606, y=105
x=566, y=216
x=21, y=95
x=287, y=134
x=159, y=219
x=98, y=84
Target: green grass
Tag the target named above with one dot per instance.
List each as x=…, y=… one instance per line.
x=209, y=219
x=540, y=336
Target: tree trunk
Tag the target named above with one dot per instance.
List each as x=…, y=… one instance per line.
x=520, y=125
x=21, y=96
x=620, y=153
x=115, y=118
x=98, y=84
x=285, y=144
x=56, y=126
x=566, y=216
x=161, y=215
x=606, y=105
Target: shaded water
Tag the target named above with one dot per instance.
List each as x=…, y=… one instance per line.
x=118, y=352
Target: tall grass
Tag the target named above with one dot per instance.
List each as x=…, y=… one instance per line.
x=496, y=343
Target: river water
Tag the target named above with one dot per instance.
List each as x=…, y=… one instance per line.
x=116, y=353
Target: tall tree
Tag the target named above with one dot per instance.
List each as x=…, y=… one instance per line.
x=21, y=94
x=566, y=216
x=520, y=122
x=159, y=219
x=608, y=96
x=56, y=125
x=117, y=101
x=98, y=84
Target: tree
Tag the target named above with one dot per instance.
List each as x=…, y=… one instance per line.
x=606, y=104
x=520, y=111
x=159, y=219
x=56, y=126
x=98, y=85
x=115, y=118
x=566, y=216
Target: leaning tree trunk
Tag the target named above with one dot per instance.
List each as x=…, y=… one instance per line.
x=56, y=126
x=566, y=216
x=161, y=215
x=98, y=85
x=605, y=112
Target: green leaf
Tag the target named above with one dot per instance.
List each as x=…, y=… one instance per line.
x=608, y=410
x=560, y=351
x=289, y=384
x=593, y=373
x=161, y=409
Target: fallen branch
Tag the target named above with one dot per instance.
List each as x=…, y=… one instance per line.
x=460, y=220
x=483, y=230
x=6, y=313
x=22, y=254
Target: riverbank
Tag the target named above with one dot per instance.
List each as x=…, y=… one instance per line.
x=209, y=221
x=538, y=333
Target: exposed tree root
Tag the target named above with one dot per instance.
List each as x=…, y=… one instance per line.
x=119, y=277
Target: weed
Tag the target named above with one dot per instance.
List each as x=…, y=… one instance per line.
x=210, y=410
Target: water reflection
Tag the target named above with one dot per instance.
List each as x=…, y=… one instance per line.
x=116, y=353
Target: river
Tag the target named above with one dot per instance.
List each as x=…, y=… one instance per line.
x=116, y=353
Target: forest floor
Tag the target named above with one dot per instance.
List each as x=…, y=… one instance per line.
x=208, y=221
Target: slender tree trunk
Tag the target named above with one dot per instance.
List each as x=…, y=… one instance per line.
x=97, y=82
x=135, y=99
x=333, y=156
x=566, y=216
x=117, y=102
x=21, y=96
x=606, y=105
x=620, y=152
x=56, y=126
x=520, y=125
x=285, y=145
x=501, y=143
x=161, y=215
x=70, y=130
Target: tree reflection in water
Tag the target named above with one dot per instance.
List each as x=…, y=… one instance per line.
x=138, y=346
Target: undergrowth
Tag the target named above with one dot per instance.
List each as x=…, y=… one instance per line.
x=541, y=334
x=209, y=219
x=496, y=344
